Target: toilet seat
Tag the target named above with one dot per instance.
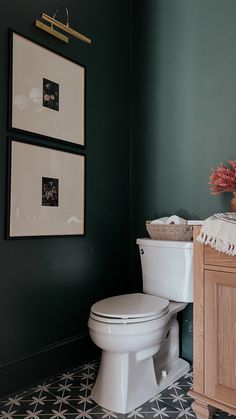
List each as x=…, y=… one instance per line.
x=129, y=308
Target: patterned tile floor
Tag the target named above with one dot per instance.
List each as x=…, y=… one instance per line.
x=67, y=396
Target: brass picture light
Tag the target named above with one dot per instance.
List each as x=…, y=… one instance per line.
x=63, y=27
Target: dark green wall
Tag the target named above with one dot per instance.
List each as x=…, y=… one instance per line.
x=184, y=109
x=184, y=104
x=48, y=285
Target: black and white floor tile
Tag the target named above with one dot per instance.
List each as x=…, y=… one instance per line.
x=67, y=396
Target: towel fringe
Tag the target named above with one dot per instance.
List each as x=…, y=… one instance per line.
x=218, y=244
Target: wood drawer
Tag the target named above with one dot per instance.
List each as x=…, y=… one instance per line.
x=213, y=257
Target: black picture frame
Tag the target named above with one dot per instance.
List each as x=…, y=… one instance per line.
x=47, y=92
x=34, y=168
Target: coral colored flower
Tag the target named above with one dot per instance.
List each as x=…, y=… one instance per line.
x=223, y=178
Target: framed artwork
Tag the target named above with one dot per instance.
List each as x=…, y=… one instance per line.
x=46, y=191
x=47, y=92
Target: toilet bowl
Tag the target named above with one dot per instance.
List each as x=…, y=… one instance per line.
x=138, y=335
x=129, y=339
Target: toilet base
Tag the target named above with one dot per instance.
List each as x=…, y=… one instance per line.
x=166, y=376
x=106, y=391
x=127, y=380
x=168, y=366
x=122, y=371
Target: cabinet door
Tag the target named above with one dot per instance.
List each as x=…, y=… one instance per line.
x=220, y=336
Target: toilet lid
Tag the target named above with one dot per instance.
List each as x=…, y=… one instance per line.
x=131, y=306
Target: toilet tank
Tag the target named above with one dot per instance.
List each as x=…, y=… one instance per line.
x=167, y=269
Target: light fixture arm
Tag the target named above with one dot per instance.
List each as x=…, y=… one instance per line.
x=64, y=27
x=66, y=11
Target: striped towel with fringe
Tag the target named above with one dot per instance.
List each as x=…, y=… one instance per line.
x=219, y=231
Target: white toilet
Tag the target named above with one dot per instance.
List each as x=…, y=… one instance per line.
x=139, y=333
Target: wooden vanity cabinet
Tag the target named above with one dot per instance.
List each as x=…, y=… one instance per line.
x=214, y=331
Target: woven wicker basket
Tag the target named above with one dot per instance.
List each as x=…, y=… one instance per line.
x=178, y=232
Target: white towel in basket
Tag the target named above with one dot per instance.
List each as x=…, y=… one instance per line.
x=161, y=220
x=219, y=231
x=173, y=219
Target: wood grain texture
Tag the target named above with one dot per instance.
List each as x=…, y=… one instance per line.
x=203, y=410
x=214, y=381
x=198, y=314
x=213, y=257
x=217, y=404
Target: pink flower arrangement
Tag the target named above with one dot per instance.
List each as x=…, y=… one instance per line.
x=223, y=178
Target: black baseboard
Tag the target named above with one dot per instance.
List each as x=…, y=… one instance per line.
x=24, y=372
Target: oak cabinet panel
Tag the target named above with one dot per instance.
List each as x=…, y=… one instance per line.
x=220, y=335
x=214, y=331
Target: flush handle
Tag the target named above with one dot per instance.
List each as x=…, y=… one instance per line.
x=141, y=251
